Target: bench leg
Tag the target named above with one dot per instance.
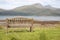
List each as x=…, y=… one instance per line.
x=30, y=29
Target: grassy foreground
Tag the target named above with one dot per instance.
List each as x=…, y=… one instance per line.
x=37, y=34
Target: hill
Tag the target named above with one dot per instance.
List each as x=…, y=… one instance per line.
x=33, y=10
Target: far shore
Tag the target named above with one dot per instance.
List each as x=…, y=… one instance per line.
x=38, y=22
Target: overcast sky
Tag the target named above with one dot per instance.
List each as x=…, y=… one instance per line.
x=10, y=4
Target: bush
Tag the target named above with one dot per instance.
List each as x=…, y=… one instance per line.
x=43, y=36
x=13, y=38
x=0, y=38
x=1, y=27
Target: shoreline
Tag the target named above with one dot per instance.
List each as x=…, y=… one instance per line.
x=38, y=22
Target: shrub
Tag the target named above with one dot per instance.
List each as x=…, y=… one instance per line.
x=1, y=27
x=13, y=38
x=43, y=36
x=0, y=38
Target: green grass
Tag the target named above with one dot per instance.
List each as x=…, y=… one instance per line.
x=37, y=34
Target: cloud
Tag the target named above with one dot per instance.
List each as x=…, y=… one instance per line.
x=9, y=4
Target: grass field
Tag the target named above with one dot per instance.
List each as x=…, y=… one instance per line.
x=24, y=34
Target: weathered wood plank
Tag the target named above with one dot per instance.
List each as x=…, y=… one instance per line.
x=19, y=22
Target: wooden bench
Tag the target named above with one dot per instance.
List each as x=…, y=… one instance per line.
x=19, y=22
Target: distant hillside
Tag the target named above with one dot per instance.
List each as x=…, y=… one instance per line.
x=1, y=10
x=33, y=10
x=13, y=13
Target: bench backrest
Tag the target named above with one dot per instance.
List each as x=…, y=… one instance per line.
x=19, y=22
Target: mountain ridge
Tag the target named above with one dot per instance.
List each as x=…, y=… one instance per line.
x=33, y=10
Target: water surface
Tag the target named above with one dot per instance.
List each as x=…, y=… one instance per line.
x=39, y=18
